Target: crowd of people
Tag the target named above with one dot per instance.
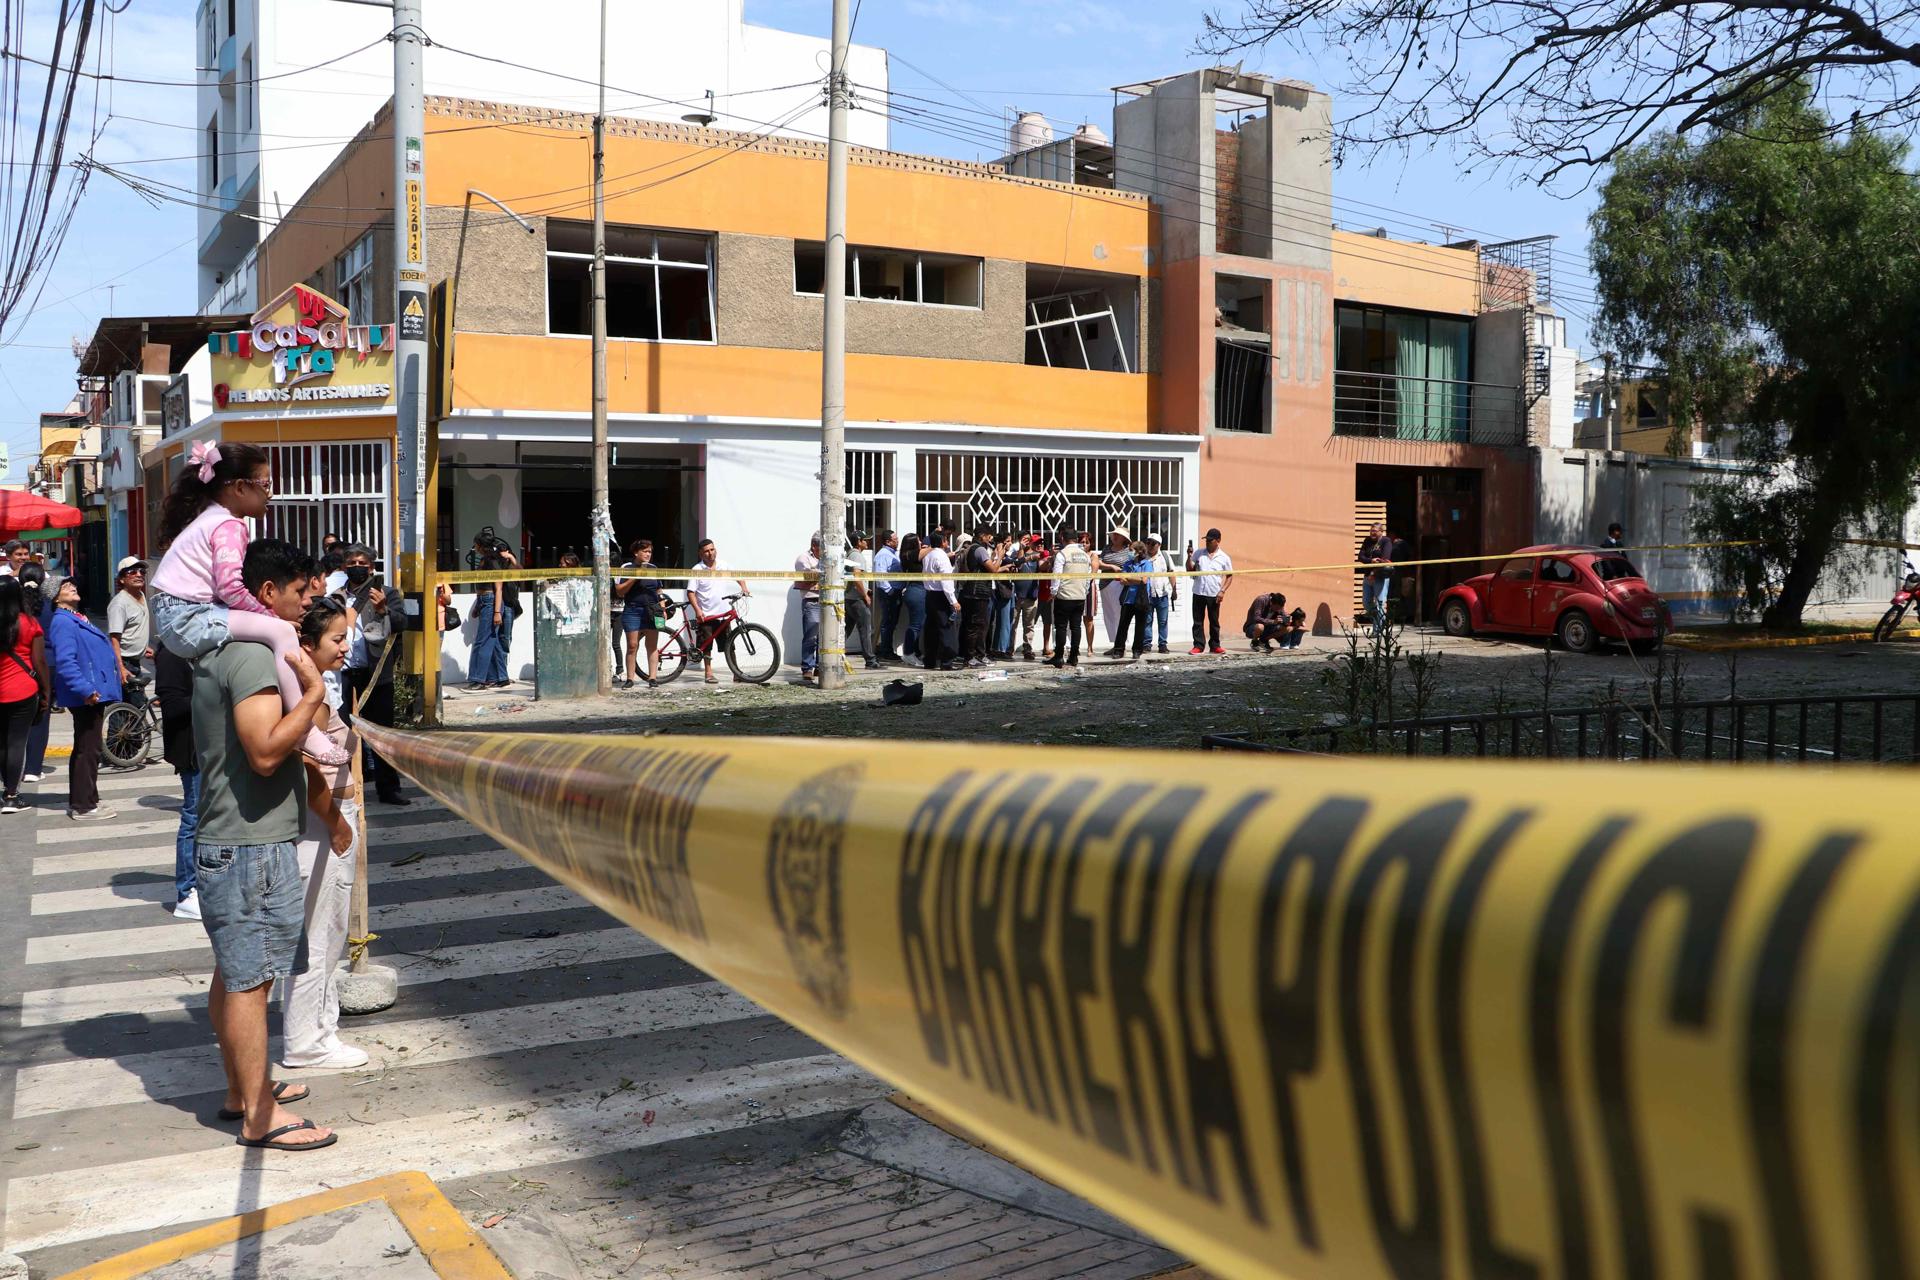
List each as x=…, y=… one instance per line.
x=986, y=593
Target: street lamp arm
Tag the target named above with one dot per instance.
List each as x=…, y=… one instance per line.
x=475, y=191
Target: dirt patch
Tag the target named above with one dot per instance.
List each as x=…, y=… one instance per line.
x=1171, y=702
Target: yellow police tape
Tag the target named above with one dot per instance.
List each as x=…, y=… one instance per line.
x=467, y=577
x=1311, y=1018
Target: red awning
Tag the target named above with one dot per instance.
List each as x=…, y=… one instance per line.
x=25, y=513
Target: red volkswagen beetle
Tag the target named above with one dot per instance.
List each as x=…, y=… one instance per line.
x=1581, y=595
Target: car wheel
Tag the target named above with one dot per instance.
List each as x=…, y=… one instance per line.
x=1576, y=632
x=1456, y=618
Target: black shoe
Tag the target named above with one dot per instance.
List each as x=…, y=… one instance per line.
x=626, y=684
x=1026, y=653
x=394, y=797
x=952, y=666
x=873, y=664
x=1116, y=653
x=1074, y=661
x=1055, y=662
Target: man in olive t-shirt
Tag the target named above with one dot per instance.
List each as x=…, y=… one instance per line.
x=252, y=792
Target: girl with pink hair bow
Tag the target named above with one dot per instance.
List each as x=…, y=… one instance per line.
x=199, y=600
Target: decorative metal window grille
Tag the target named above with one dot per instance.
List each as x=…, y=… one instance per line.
x=869, y=490
x=330, y=488
x=1045, y=493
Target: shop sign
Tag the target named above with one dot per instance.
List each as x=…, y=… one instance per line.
x=302, y=348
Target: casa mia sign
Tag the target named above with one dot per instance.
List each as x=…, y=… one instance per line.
x=302, y=348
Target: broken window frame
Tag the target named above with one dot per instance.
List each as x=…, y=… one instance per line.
x=854, y=274
x=1075, y=317
x=652, y=260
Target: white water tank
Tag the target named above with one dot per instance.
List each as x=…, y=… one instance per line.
x=1091, y=134
x=1029, y=131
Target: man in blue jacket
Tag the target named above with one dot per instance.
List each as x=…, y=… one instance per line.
x=86, y=681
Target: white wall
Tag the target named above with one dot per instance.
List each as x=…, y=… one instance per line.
x=1581, y=491
x=675, y=52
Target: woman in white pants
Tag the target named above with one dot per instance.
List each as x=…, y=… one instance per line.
x=310, y=1001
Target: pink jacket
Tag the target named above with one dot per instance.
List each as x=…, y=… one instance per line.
x=203, y=564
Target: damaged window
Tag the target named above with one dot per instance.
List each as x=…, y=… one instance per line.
x=1079, y=320
x=659, y=283
x=893, y=275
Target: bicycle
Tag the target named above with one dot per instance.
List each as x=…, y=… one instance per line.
x=751, y=650
x=131, y=727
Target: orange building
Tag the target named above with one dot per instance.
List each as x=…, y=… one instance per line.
x=1162, y=333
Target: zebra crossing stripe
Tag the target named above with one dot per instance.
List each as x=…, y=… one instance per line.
x=78, y=1084
x=157, y=892
x=222, y=1178
x=147, y=996
x=153, y=939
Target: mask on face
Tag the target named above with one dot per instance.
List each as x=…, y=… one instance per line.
x=358, y=573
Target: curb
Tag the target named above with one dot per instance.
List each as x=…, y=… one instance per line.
x=1707, y=644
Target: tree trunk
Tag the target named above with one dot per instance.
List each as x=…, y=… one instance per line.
x=1808, y=558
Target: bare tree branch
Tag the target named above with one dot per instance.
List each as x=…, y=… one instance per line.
x=1553, y=86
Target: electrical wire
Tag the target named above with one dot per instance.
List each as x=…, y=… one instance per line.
x=197, y=84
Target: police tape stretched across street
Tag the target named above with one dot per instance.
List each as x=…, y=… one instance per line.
x=1311, y=1019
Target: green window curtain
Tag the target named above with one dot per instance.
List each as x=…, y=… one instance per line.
x=1447, y=366
x=1410, y=365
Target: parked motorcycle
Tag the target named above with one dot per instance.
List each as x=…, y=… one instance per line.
x=1903, y=600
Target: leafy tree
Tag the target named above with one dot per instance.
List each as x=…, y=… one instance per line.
x=1770, y=269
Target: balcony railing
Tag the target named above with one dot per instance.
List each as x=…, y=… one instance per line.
x=1385, y=406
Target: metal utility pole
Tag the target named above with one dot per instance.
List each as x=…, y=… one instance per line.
x=410, y=312
x=602, y=515
x=833, y=374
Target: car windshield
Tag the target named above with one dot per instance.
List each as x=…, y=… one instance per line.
x=1614, y=568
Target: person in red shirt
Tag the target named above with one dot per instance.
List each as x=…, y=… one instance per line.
x=24, y=688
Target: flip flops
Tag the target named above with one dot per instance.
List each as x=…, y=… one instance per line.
x=281, y=1093
x=270, y=1141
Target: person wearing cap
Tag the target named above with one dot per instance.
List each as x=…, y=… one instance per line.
x=128, y=624
x=1215, y=568
x=1163, y=590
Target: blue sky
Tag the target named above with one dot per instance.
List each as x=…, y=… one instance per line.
x=1061, y=57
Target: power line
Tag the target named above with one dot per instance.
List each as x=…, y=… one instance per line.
x=197, y=84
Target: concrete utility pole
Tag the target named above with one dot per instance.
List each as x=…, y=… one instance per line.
x=602, y=515
x=410, y=313
x=833, y=374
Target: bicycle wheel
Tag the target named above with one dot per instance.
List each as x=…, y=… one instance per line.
x=671, y=659
x=753, y=653
x=125, y=736
x=1889, y=622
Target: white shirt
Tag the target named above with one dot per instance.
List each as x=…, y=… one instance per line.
x=1160, y=585
x=1213, y=566
x=711, y=593
x=934, y=560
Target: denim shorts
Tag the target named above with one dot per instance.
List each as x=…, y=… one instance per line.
x=253, y=906
x=188, y=628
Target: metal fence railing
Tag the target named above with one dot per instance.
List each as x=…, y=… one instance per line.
x=1878, y=728
x=1389, y=407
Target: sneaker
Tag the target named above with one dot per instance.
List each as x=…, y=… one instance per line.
x=1216, y=649
x=11, y=804
x=1196, y=649
x=31, y=777
x=188, y=908
x=339, y=1056
x=99, y=813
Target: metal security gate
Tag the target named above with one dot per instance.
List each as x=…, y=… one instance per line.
x=331, y=488
x=1045, y=493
